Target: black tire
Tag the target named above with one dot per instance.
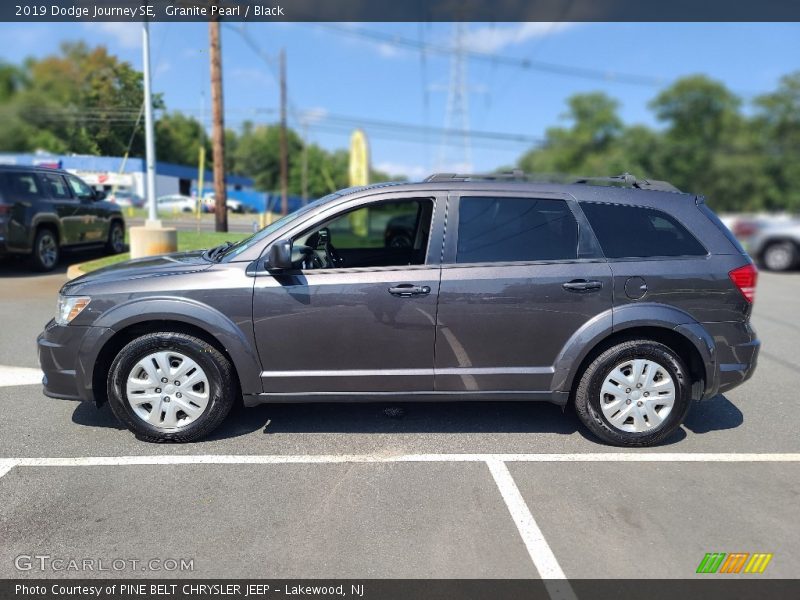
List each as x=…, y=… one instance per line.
x=588, y=392
x=780, y=256
x=46, y=252
x=116, y=238
x=222, y=383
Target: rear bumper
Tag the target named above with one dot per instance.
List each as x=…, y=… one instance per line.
x=737, y=347
x=67, y=355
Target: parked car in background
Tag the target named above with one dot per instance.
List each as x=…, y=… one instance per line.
x=126, y=199
x=776, y=245
x=176, y=203
x=234, y=206
x=43, y=211
x=627, y=302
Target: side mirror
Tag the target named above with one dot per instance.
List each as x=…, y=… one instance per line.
x=99, y=196
x=279, y=256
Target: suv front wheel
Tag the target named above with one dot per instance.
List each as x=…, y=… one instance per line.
x=636, y=393
x=171, y=387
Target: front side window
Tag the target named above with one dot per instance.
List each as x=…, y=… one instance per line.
x=80, y=189
x=508, y=229
x=639, y=232
x=382, y=234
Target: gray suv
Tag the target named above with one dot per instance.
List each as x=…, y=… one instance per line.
x=624, y=298
x=43, y=211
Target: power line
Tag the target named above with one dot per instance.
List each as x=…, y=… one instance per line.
x=529, y=64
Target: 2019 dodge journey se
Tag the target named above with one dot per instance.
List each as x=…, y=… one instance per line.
x=623, y=297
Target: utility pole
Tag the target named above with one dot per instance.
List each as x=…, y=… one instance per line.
x=149, y=131
x=304, y=172
x=284, y=141
x=218, y=129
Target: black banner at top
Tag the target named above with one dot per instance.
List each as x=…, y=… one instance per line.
x=399, y=10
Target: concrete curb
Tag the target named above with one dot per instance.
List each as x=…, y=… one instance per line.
x=75, y=270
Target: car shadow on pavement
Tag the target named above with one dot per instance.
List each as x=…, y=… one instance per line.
x=421, y=417
x=716, y=414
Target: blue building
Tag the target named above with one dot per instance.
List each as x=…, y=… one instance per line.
x=107, y=172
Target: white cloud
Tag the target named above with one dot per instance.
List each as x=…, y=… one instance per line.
x=127, y=35
x=313, y=115
x=494, y=39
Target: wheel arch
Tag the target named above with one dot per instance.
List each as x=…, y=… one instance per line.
x=667, y=325
x=140, y=318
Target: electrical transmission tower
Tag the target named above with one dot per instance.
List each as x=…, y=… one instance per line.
x=456, y=118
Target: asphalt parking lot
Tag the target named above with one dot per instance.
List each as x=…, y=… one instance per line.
x=473, y=490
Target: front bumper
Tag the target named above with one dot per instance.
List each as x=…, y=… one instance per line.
x=67, y=354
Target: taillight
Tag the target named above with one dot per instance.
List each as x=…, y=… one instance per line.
x=745, y=279
x=5, y=209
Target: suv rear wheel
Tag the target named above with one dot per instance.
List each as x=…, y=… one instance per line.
x=634, y=394
x=45, y=250
x=171, y=387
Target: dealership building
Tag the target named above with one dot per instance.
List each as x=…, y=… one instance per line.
x=107, y=172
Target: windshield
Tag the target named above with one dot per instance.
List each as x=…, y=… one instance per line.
x=236, y=249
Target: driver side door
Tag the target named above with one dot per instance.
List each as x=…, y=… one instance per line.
x=356, y=315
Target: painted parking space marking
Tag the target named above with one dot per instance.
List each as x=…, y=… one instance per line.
x=269, y=459
x=13, y=376
x=538, y=549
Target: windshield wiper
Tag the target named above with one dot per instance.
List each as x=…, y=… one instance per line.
x=218, y=251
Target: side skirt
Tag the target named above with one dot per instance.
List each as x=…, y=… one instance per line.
x=559, y=398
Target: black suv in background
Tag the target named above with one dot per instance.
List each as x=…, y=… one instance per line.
x=626, y=302
x=44, y=210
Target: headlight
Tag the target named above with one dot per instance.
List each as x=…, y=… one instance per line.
x=70, y=307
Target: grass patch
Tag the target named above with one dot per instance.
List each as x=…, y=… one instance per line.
x=187, y=240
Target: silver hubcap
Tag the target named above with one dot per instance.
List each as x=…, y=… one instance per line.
x=778, y=257
x=637, y=395
x=48, y=252
x=168, y=390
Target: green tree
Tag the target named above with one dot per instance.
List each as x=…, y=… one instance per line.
x=777, y=123
x=83, y=100
x=178, y=139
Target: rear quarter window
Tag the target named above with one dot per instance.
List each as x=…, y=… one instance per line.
x=639, y=232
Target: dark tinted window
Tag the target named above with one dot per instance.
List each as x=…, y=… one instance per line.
x=515, y=229
x=20, y=186
x=633, y=231
x=56, y=185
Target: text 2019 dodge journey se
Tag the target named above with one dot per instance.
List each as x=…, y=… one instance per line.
x=624, y=297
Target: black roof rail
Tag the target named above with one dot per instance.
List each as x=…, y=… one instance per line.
x=515, y=175
x=628, y=180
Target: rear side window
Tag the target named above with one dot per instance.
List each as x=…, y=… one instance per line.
x=638, y=232
x=721, y=226
x=515, y=229
x=20, y=186
x=56, y=185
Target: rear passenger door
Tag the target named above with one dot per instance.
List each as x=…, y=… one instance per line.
x=66, y=206
x=521, y=275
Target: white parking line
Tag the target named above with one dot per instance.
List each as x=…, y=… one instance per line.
x=11, y=376
x=275, y=459
x=6, y=466
x=539, y=550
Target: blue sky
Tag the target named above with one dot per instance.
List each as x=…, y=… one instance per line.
x=334, y=72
